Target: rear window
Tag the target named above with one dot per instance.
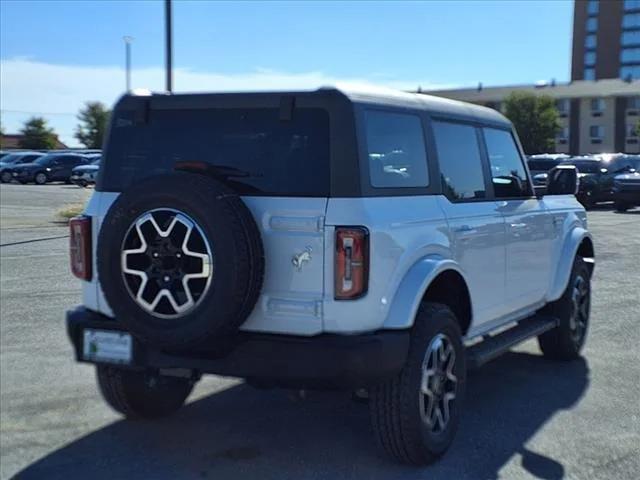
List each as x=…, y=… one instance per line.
x=396, y=151
x=252, y=150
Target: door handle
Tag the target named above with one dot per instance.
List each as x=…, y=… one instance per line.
x=518, y=225
x=464, y=229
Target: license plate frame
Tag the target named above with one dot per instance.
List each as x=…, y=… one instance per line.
x=107, y=346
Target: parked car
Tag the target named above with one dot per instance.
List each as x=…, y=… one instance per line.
x=85, y=175
x=9, y=162
x=323, y=240
x=542, y=163
x=626, y=187
x=596, y=183
x=49, y=168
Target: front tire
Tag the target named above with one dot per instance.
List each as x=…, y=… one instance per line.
x=415, y=415
x=40, y=178
x=572, y=310
x=6, y=177
x=137, y=394
x=621, y=207
x=586, y=199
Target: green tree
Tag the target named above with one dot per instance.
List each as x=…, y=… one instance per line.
x=94, y=118
x=536, y=120
x=37, y=135
x=638, y=128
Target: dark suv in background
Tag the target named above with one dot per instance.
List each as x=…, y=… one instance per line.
x=49, y=168
x=598, y=176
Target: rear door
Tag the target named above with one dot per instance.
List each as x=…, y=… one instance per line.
x=529, y=229
x=63, y=167
x=476, y=225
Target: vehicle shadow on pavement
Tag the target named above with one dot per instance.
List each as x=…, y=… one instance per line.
x=246, y=433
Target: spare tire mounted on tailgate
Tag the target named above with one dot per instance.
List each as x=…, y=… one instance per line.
x=180, y=260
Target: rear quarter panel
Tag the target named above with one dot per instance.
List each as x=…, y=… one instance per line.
x=403, y=230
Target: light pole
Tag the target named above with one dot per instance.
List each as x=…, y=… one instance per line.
x=167, y=18
x=127, y=46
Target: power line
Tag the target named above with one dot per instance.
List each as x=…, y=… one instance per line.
x=37, y=113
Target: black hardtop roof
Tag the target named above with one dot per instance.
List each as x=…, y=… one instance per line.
x=370, y=96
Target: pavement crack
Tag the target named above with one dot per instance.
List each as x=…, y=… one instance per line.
x=34, y=240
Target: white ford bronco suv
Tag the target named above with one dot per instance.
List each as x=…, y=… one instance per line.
x=377, y=241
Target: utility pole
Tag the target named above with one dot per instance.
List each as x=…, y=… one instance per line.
x=127, y=49
x=167, y=17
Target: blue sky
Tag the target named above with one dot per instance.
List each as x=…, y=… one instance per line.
x=57, y=54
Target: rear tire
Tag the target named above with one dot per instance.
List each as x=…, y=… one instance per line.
x=6, y=177
x=137, y=394
x=404, y=410
x=572, y=310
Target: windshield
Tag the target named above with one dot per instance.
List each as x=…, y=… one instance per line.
x=11, y=158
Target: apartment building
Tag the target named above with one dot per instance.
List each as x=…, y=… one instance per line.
x=606, y=40
x=596, y=116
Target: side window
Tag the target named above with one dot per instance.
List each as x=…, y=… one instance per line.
x=621, y=165
x=507, y=170
x=396, y=150
x=460, y=161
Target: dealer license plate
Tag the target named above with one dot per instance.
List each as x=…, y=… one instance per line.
x=107, y=346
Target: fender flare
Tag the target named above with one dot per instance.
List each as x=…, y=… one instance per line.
x=572, y=243
x=412, y=288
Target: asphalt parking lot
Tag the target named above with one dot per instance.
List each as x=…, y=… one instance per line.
x=525, y=417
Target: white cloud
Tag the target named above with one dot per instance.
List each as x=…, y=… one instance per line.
x=57, y=92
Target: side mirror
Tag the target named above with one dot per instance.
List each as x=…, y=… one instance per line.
x=563, y=180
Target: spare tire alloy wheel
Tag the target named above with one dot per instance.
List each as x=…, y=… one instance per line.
x=166, y=262
x=180, y=261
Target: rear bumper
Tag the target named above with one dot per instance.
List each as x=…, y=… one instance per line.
x=323, y=361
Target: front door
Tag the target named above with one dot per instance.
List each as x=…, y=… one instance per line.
x=529, y=229
x=529, y=235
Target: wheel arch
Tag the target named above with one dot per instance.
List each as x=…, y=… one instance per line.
x=578, y=242
x=435, y=279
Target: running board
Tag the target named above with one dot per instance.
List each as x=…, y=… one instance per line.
x=495, y=345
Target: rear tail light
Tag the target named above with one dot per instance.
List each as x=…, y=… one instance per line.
x=352, y=262
x=80, y=247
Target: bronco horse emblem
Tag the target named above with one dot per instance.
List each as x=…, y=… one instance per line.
x=300, y=259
